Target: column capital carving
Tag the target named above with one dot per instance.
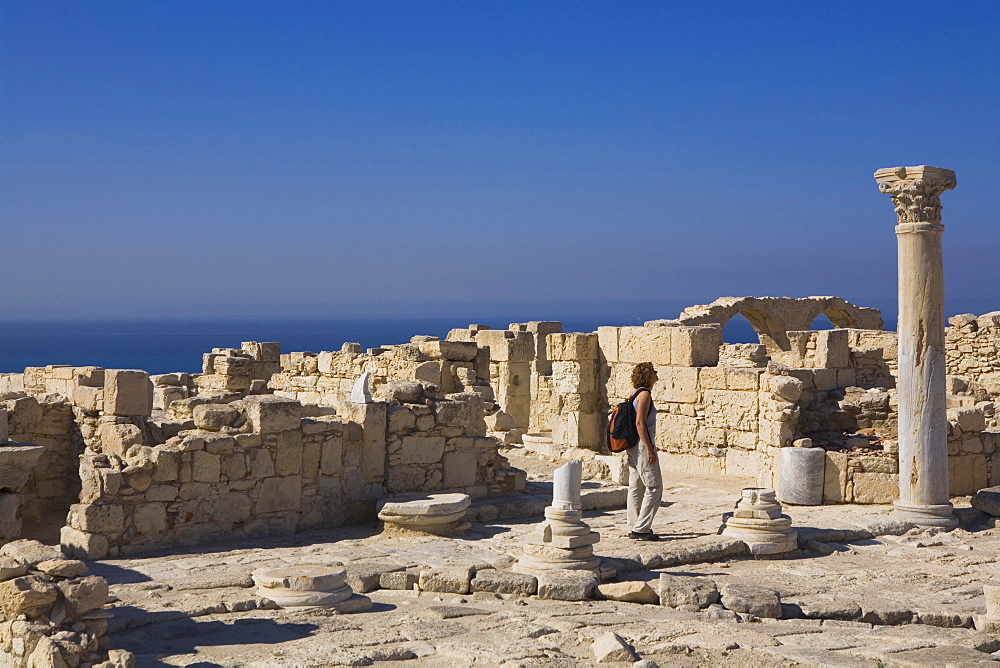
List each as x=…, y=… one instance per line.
x=916, y=191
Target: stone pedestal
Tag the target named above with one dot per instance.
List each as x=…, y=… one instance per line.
x=990, y=622
x=923, y=427
x=438, y=514
x=800, y=475
x=758, y=522
x=310, y=586
x=564, y=540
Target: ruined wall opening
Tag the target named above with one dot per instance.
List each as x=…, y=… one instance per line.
x=839, y=319
x=820, y=322
x=740, y=330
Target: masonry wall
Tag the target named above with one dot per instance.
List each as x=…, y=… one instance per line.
x=972, y=350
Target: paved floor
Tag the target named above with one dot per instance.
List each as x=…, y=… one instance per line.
x=199, y=609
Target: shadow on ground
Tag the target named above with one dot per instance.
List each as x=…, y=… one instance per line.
x=173, y=637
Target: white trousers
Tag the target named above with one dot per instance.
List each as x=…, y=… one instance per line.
x=645, y=489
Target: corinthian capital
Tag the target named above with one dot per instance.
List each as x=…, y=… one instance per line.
x=916, y=191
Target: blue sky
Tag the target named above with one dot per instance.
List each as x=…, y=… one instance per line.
x=270, y=158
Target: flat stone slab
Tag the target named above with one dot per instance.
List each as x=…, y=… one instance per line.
x=302, y=578
x=988, y=501
x=423, y=505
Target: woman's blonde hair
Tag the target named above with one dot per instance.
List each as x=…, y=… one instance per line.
x=642, y=374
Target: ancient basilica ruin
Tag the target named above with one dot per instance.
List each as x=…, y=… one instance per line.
x=423, y=436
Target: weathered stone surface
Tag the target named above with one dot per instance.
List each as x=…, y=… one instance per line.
x=566, y=585
x=682, y=590
x=630, y=591
x=611, y=648
x=11, y=567
x=127, y=392
x=280, y=494
x=214, y=417
x=26, y=595
x=63, y=568
x=751, y=599
x=269, y=414
x=988, y=501
x=83, y=545
x=303, y=578
x=366, y=577
x=85, y=594
x=402, y=579
x=450, y=580
x=30, y=552
x=504, y=582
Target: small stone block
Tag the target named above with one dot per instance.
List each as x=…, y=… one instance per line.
x=504, y=582
x=566, y=585
x=448, y=580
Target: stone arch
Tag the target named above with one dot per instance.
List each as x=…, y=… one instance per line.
x=773, y=317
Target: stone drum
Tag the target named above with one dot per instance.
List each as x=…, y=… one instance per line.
x=299, y=586
x=439, y=514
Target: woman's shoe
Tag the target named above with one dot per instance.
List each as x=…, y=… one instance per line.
x=643, y=535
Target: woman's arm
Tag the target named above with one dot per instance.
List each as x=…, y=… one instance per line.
x=643, y=402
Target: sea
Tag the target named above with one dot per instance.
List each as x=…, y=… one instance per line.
x=177, y=344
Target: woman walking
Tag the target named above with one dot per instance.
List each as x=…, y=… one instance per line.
x=645, y=487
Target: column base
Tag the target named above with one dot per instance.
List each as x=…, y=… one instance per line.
x=942, y=515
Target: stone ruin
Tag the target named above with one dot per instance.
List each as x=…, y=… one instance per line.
x=264, y=443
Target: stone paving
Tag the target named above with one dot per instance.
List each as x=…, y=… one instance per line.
x=889, y=600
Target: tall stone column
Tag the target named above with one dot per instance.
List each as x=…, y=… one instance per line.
x=923, y=422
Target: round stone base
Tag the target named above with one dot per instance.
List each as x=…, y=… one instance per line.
x=941, y=515
x=528, y=565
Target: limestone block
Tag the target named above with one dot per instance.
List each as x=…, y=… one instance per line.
x=288, y=454
x=30, y=552
x=12, y=567
x=695, y=346
x=987, y=500
x=609, y=647
x=269, y=414
x=422, y=449
x=677, y=591
x=751, y=599
x=127, y=392
x=279, y=494
x=572, y=346
x=967, y=474
x=455, y=413
x=630, y=591
x=167, y=463
x=968, y=418
x=460, y=469
x=566, y=585
x=162, y=396
x=675, y=430
x=116, y=439
x=332, y=455
x=875, y=487
x=84, y=595
x=235, y=507
x=504, y=582
x=98, y=518
x=676, y=384
x=150, y=518
x=402, y=579
x=645, y=344
x=206, y=467
x=459, y=351
x=607, y=342
x=373, y=420
x=788, y=388
x=88, y=398
x=263, y=351
x=832, y=349
x=214, y=417
x=83, y=545
x=507, y=346
x=62, y=568
x=454, y=580
x=745, y=379
x=27, y=595
x=731, y=409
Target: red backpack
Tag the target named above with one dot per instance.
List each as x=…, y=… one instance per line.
x=622, y=433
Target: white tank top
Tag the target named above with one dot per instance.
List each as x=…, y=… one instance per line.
x=650, y=417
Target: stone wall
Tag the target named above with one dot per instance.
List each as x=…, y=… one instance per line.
x=47, y=421
x=443, y=367
x=972, y=349
x=257, y=466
